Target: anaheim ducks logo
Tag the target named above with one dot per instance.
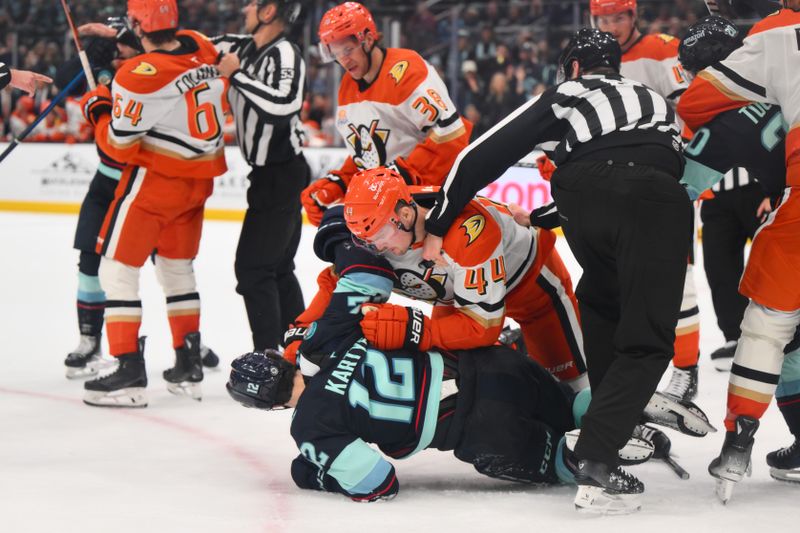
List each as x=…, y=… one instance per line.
x=666, y=38
x=145, y=69
x=368, y=144
x=398, y=71
x=473, y=227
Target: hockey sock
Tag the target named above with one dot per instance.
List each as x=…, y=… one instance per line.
x=123, y=319
x=580, y=405
x=183, y=312
x=788, y=393
x=687, y=332
x=91, y=304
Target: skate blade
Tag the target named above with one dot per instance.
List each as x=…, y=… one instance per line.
x=787, y=476
x=636, y=451
x=131, y=397
x=92, y=369
x=724, y=490
x=666, y=411
x=593, y=500
x=186, y=388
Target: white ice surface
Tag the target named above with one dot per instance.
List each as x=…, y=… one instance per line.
x=182, y=466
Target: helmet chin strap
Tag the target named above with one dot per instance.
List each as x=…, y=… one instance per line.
x=630, y=35
x=413, y=229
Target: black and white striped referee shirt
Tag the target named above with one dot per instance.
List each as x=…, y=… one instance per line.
x=5, y=75
x=266, y=96
x=570, y=120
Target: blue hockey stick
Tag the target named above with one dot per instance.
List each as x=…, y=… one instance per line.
x=56, y=99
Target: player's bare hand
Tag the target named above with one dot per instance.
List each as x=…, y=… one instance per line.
x=432, y=250
x=520, y=214
x=228, y=64
x=28, y=81
x=96, y=29
x=764, y=209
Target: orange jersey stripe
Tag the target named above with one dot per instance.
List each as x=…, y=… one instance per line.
x=779, y=19
x=657, y=46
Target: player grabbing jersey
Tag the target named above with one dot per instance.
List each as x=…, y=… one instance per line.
x=393, y=109
x=162, y=117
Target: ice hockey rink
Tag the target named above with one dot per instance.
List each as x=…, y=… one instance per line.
x=184, y=466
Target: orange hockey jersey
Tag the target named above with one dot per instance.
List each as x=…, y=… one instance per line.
x=765, y=69
x=653, y=60
x=168, y=111
x=405, y=116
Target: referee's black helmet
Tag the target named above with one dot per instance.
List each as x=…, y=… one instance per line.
x=591, y=48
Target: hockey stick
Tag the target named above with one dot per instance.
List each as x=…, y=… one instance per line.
x=678, y=469
x=87, y=68
x=56, y=99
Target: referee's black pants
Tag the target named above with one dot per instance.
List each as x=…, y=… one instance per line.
x=267, y=245
x=629, y=227
x=729, y=219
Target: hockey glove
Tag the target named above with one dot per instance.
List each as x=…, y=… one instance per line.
x=392, y=327
x=545, y=166
x=95, y=104
x=291, y=341
x=322, y=194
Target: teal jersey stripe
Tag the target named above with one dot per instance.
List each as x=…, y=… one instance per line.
x=109, y=172
x=432, y=404
x=359, y=468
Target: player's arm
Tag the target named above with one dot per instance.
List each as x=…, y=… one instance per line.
x=230, y=43
x=283, y=97
x=432, y=111
x=486, y=158
x=739, y=79
x=345, y=465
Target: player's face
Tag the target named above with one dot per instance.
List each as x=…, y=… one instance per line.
x=351, y=56
x=620, y=25
x=391, y=237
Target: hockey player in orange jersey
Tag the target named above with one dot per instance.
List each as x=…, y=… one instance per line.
x=162, y=117
x=494, y=269
x=652, y=59
x=393, y=109
x=765, y=69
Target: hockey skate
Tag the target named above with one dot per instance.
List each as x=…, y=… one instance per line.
x=784, y=464
x=681, y=415
x=683, y=384
x=209, y=357
x=184, y=378
x=125, y=387
x=636, y=451
x=722, y=358
x=87, y=359
x=606, y=490
x=734, y=459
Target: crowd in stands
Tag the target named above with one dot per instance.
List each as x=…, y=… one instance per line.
x=504, y=51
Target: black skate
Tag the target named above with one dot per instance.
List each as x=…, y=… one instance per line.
x=681, y=415
x=184, y=378
x=209, y=357
x=683, y=384
x=606, y=490
x=784, y=464
x=87, y=359
x=722, y=358
x=125, y=387
x=734, y=459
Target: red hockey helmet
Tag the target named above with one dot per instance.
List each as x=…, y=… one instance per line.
x=371, y=200
x=154, y=15
x=350, y=19
x=610, y=7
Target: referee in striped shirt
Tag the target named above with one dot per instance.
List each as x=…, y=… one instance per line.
x=628, y=222
x=267, y=76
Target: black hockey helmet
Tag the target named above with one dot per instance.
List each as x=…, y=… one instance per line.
x=288, y=10
x=591, y=48
x=708, y=41
x=261, y=379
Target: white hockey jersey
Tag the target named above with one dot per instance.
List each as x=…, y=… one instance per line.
x=405, y=114
x=653, y=60
x=168, y=111
x=765, y=69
